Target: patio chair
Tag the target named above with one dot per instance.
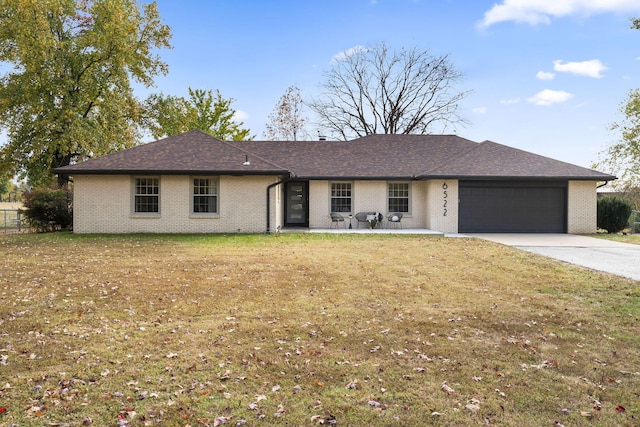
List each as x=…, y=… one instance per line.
x=395, y=219
x=336, y=219
x=368, y=218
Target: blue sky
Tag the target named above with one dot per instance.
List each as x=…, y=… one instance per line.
x=547, y=76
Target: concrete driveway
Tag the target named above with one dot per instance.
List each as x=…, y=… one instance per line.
x=618, y=258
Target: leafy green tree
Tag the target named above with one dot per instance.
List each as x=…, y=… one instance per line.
x=623, y=157
x=5, y=184
x=211, y=113
x=67, y=93
x=287, y=121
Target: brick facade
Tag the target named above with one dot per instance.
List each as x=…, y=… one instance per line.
x=104, y=204
x=442, y=206
x=582, y=216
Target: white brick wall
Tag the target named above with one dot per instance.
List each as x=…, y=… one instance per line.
x=582, y=214
x=319, y=205
x=103, y=204
x=442, y=205
x=367, y=196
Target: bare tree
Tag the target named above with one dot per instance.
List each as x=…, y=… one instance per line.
x=372, y=90
x=287, y=122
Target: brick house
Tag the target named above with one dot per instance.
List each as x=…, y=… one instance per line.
x=195, y=183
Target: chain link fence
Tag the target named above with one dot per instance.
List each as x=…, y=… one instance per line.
x=12, y=220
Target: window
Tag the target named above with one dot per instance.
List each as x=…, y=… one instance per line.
x=146, y=196
x=340, y=197
x=398, y=197
x=205, y=195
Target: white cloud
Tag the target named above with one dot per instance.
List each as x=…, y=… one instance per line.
x=510, y=101
x=543, y=75
x=549, y=97
x=592, y=68
x=541, y=11
x=480, y=110
x=347, y=53
x=240, y=115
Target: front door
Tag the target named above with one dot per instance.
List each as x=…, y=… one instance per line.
x=296, y=204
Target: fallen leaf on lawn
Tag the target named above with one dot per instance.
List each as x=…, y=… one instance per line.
x=436, y=414
x=620, y=409
x=220, y=420
x=472, y=407
x=275, y=388
x=352, y=385
x=445, y=387
x=373, y=403
x=281, y=410
x=586, y=414
x=551, y=362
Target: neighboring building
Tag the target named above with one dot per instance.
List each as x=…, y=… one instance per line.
x=195, y=183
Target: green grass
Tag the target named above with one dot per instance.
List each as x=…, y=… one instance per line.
x=300, y=329
x=619, y=237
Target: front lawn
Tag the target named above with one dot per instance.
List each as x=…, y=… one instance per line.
x=619, y=237
x=306, y=329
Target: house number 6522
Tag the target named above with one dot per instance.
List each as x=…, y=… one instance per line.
x=444, y=196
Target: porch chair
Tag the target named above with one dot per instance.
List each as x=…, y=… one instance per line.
x=336, y=219
x=368, y=217
x=395, y=219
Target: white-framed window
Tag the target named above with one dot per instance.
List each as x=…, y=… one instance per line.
x=146, y=195
x=398, y=197
x=341, y=197
x=204, y=195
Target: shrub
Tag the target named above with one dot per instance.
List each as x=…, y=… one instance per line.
x=613, y=213
x=49, y=209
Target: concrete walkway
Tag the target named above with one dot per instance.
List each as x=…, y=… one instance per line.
x=622, y=259
x=369, y=231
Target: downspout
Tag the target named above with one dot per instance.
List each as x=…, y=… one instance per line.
x=269, y=187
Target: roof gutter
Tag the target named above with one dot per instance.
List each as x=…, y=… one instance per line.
x=269, y=187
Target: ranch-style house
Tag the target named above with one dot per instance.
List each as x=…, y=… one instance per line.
x=195, y=183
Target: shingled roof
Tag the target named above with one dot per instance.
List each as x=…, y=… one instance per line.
x=193, y=152
x=370, y=157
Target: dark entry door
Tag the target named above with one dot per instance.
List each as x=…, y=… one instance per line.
x=512, y=207
x=296, y=204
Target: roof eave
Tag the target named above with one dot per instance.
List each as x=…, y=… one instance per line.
x=168, y=172
x=519, y=177
x=354, y=178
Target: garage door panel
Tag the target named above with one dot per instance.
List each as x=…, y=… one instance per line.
x=512, y=209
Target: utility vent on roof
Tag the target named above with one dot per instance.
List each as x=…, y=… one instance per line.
x=246, y=161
